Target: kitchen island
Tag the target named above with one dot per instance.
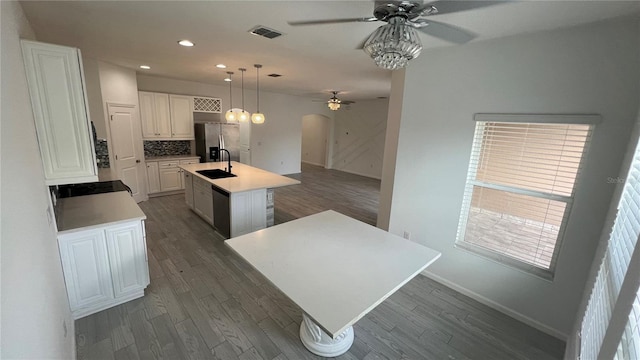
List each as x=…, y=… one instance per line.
x=234, y=205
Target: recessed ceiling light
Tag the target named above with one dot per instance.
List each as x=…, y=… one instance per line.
x=227, y=79
x=185, y=43
x=146, y=67
x=221, y=66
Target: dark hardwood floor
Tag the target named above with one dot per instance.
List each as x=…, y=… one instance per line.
x=204, y=302
x=322, y=189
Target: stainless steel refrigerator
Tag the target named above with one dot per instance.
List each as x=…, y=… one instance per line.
x=220, y=135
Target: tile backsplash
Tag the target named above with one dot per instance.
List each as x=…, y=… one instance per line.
x=166, y=148
x=102, y=153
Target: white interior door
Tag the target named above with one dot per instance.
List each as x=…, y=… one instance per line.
x=126, y=148
x=245, y=143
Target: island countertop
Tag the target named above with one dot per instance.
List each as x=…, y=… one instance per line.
x=248, y=177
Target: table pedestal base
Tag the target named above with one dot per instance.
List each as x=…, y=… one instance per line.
x=319, y=343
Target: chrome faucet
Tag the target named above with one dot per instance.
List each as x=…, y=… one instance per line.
x=228, y=158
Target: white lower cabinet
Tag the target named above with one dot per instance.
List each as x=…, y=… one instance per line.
x=129, y=270
x=245, y=211
x=203, y=199
x=153, y=177
x=188, y=189
x=104, y=267
x=248, y=211
x=183, y=173
x=170, y=176
x=165, y=176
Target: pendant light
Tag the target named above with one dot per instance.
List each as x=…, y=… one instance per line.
x=230, y=115
x=257, y=117
x=244, y=115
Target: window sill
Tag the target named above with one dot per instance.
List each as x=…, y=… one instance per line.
x=512, y=263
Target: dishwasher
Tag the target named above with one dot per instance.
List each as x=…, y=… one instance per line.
x=221, y=209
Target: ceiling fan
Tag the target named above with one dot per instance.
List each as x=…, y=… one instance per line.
x=334, y=103
x=392, y=45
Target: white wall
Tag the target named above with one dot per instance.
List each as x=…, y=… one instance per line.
x=276, y=144
x=588, y=69
x=359, y=135
x=94, y=96
x=394, y=116
x=34, y=299
x=117, y=85
x=315, y=138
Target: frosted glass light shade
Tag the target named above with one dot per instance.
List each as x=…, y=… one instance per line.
x=257, y=118
x=230, y=116
x=243, y=116
x=391, y=46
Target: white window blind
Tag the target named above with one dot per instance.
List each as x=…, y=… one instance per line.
x=629, y=347
x=603, y=299
x=520, y=189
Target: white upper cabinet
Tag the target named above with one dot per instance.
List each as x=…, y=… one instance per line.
x=155, y=115
x=181, y=116
x=165, y=116
x=59, y=102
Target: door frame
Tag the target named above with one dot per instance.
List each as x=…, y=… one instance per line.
x=142, y=171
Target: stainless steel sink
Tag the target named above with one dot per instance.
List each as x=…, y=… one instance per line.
x=215, y=174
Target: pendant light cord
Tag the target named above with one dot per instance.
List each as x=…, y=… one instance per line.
x=230, y=93
x=242, y=70
x=258, y=84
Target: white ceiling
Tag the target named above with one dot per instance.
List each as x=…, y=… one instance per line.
x=312, y=59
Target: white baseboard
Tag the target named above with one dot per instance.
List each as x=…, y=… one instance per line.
x=494, y=305
x=358, y=173
x=312, y=163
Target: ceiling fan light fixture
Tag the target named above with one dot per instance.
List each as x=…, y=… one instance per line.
x=392, y=45
x=334, y=105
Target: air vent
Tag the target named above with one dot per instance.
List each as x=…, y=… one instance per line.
x=274, y=75
x=265, y=31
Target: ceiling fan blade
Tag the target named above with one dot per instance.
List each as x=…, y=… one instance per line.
x=451, y=6
x=447, y=32
x=331, y=21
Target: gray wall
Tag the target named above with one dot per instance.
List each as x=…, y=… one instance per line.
x=35, y=308
x=359, y=132
x=587, y=69
x=94, y=96
x=315, y=139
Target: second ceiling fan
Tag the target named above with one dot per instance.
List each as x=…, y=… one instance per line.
x=334, y=103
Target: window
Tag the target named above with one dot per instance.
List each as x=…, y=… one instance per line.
x=520, y=187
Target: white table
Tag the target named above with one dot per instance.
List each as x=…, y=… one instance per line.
x=335, y=268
